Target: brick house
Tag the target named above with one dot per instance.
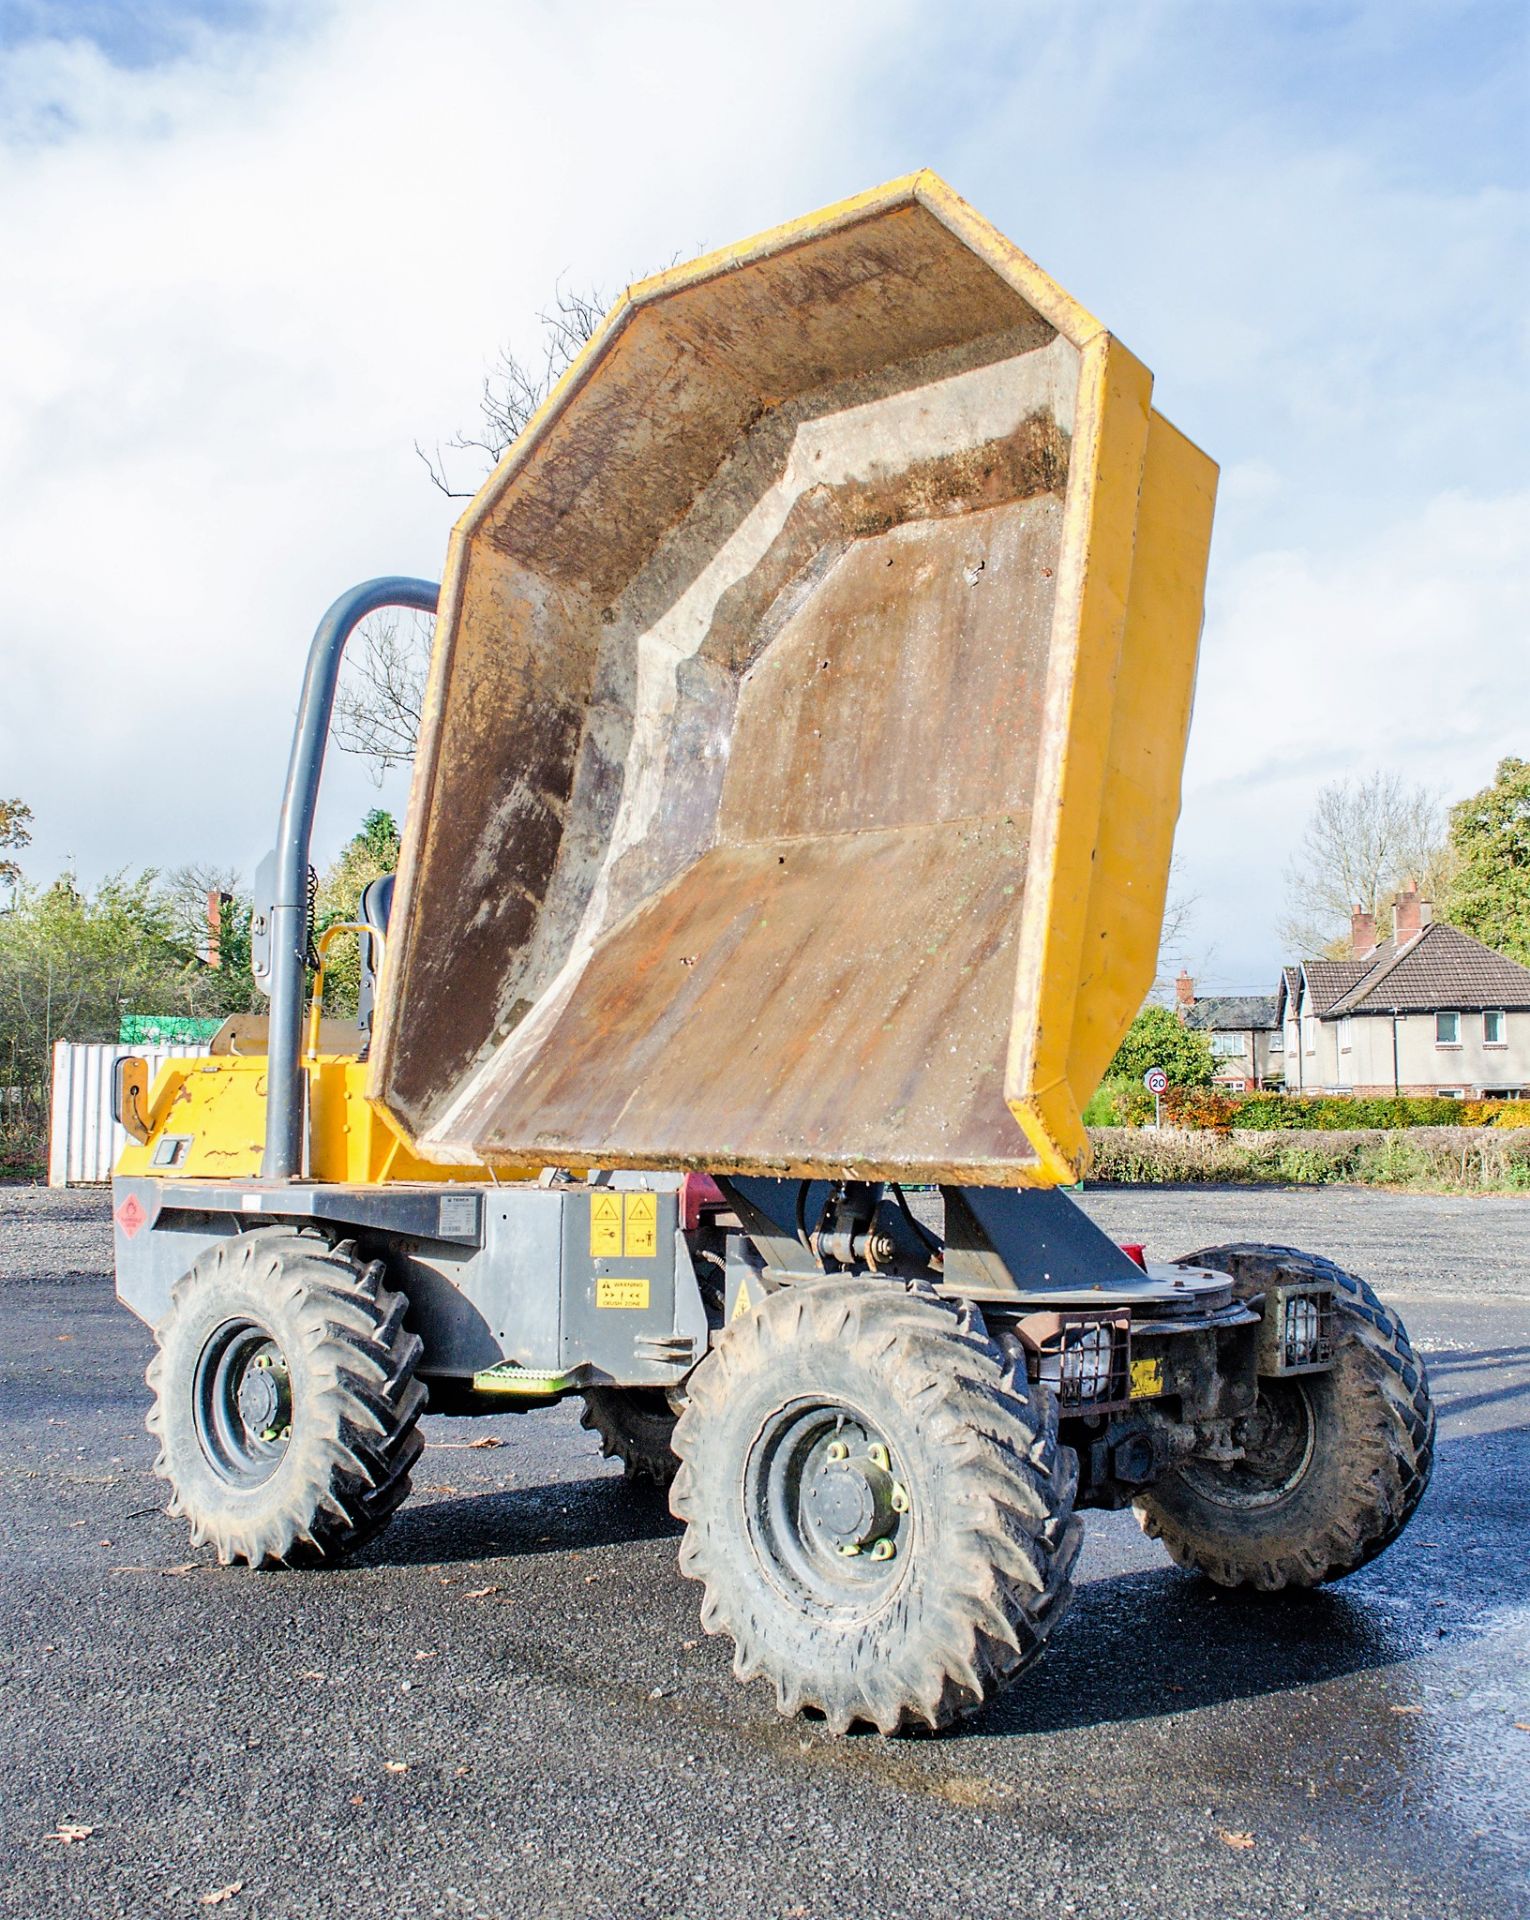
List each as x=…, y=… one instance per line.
x=1246, y=1038
x=1429, y=1011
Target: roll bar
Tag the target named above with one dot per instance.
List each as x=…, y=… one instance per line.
x=288, y=908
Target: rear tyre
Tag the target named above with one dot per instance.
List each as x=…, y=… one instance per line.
x=878, y=1509
x=635, y=1425
x=1336, y=1462
x=285, y=1402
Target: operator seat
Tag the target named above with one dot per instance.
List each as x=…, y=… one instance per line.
x=376, y=907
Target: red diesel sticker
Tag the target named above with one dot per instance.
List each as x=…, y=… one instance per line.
x=130, y=1215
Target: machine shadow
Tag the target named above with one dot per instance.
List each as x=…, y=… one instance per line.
x=519, y=1522
x=1139, y=1646
x=1158, y=1641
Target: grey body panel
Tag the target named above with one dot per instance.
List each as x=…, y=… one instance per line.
x=492, y=1273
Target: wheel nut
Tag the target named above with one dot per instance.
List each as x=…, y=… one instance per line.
x=876, y=1453
x=882, y=1550
x=849, y=1549
x=262, y=1361
x=268, y=1433
x=898, y=1499
x=836, y=1451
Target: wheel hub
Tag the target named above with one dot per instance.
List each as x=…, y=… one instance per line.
x=830, y=1517
x=243, y=1403
x=851, y=1499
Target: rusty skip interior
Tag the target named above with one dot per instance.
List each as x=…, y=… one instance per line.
x=720, y=827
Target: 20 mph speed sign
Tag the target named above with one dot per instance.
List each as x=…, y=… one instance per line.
x=1155, y=1080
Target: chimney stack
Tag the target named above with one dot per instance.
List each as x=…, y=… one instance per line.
x=1362, y=934
x=1407, y=914
x=1184, y=992
x=217, y=905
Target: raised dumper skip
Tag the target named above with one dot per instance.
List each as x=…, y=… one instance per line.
x=790, y=826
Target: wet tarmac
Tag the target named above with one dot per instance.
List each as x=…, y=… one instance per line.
x=507, y=1707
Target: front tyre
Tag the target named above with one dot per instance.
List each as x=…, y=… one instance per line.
x=878, y=1509
x=285, y=1401
x=1335, y=1463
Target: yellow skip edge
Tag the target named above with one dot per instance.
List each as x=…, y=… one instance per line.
x=1093, y=590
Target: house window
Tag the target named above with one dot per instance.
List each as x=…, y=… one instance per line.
x=1447, y=1030
x=1277, y=1041
x=1309, y=1033
x=1346, y=1033
x=1227, y=1046
x=1495, y=1031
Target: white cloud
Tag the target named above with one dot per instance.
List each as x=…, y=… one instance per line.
x=1408, y=650
x=240, y=283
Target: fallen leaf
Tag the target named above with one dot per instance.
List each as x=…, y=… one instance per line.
x=489, y=1440
x=66, y=1336
x=428, y=1653
x=170, y=1573
x=1405, y=1709
x=68, y=1832
x=1242, y=1841
x=395, y=1766
x=219, y=1894
x=479, y=1593
x=310, y=1673
x=1522, y=1726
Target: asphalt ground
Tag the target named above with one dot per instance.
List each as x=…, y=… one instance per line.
x=506, y=1706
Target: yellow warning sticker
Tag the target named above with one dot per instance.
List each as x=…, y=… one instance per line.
x=606, y=1226
x=1147, y=1379
x=613, y=1292
x=642, y=1225
x=742, y=1304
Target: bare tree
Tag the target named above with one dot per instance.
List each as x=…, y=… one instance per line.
x=512, y=391
x=1363, y=840
x=1179, y=912
x=382, y=691
x=185, y=890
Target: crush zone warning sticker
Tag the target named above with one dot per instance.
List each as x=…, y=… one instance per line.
x=613, y=1292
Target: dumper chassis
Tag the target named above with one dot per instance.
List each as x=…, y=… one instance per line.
x=786, y=858
x=880, y=1435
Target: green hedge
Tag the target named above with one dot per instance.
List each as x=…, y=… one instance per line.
x=1341, y=1113
x=1431, y=1159
x=1122, y=1104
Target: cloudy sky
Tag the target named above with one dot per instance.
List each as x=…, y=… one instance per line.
x=253, y=252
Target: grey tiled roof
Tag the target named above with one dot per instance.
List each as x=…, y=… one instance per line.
x=1443, y=967
x=1329, y=980
x=1235, y=1013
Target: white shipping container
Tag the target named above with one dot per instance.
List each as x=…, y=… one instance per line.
x=83, y=1139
